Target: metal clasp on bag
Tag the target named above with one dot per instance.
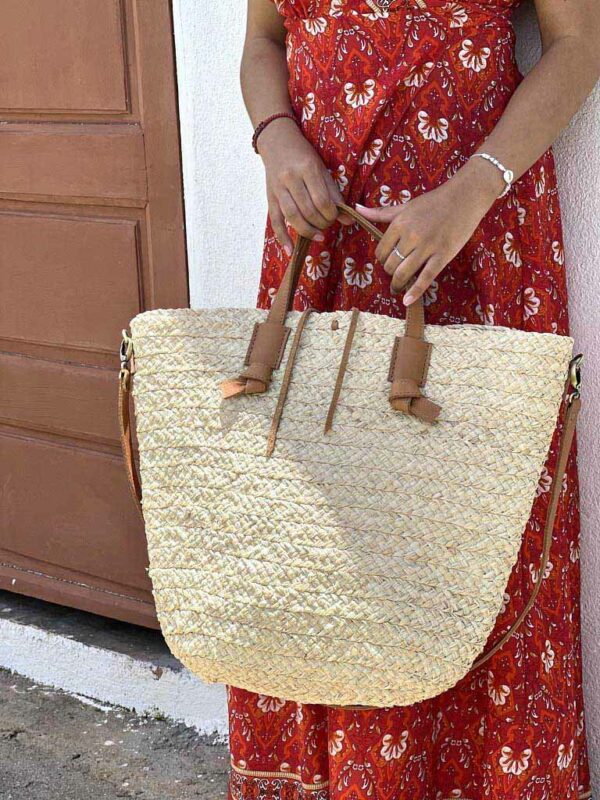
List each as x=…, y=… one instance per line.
x=125, y=357
x=575, y=377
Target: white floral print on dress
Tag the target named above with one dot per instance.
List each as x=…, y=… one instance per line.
x=432, y=130
x=565, y=755
x=574, y=552
x=511, y=251
x=308, y=106
x=357, y=275
x=387, y=197
x=531, y=303
x=548, y=656
x=544, y=483
x=418, y=74
x=318, y=266
x=392, y=749
x=316, y=25
x=358, y=95
x=472, y=57
x=268, y=704
x=497, y=692
x=540, y=184
x=558, y=253
x=340, y=177
x=485, y=313
x=457, y=13
x=431, y=293
x=336, y=743
x=514, y=762
x=534, y=571
x=372, y=152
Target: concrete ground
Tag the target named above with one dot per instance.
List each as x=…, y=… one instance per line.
x=113, y=662
x=55, y=747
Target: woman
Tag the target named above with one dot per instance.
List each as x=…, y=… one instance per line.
x=386, y=102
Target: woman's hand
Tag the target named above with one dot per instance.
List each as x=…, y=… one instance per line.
x=430, y=230
x=300, y=189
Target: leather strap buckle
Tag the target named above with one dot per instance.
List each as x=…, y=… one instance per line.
x=575, y=378
x=126, y=359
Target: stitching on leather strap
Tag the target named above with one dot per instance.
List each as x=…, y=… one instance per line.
x=278, y=356
x=285, y=384
x=251, y=344
x=342, y=370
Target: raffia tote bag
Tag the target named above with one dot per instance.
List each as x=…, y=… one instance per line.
x=337, y=523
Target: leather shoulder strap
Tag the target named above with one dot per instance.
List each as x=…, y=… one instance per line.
x=125, y=431
x=569, y=424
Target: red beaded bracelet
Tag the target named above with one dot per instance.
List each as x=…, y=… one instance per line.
x=262, y=125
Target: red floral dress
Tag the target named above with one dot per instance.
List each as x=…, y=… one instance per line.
x=395, y=101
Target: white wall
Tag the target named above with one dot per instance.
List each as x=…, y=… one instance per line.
x=225, y=211
x=578, y=160
x=223, y=177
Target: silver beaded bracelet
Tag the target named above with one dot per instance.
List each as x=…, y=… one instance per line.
x=507, y=174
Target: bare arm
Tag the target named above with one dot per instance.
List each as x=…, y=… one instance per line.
x=264, y=73
x=553, y=91
x=300, y=189
x=428, y=229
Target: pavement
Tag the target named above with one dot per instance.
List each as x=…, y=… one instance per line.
x=54, y=746
x=114, y=662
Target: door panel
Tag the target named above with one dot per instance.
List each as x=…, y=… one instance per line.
x=91, y=233
x=85, y=70
x=62, y=162
x=46, y=469
x=79, y=251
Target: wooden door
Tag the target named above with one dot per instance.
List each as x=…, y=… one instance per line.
x=91, y=233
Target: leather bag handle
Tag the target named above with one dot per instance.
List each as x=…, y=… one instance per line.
x=282, y=303
x=409, y=358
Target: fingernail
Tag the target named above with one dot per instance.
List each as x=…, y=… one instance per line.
x=359, y=205
x=319, y=237
x=408, y=298
x=287, y=249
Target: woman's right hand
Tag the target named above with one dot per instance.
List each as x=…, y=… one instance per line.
x=300, y=188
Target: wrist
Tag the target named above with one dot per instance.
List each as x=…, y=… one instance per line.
x=273, y=133
x=480, y=181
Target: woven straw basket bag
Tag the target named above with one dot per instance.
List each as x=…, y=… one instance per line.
x=337, y=523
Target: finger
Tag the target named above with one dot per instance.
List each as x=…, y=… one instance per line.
x=279, y=227
x=336, y=198
x=397, y=235
x=379, y=213
x=295, y=218
x=399, y=255
x=406, y=269
x=301, y=194
x=320, y=195
x=428, y=274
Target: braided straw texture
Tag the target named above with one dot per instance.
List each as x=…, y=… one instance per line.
x=363, y=566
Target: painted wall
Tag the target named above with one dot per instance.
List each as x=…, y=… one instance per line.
x=225, y=210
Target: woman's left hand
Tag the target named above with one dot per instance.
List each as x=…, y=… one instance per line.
x=430, y=230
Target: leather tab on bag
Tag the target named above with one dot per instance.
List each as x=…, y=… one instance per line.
x=264, y=354
x=407, y=374
x=267, y=344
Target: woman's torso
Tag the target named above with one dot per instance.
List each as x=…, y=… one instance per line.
x=352, y=63
x=395, y=101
